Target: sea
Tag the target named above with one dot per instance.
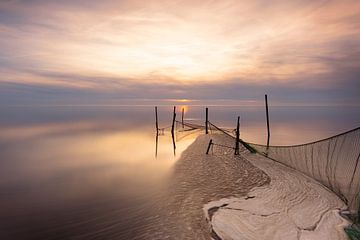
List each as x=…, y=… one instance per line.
x=101, y=171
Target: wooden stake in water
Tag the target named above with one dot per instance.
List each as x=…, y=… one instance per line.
x=157, y=143
x=182, y=117
x=267, y=122
x=206, y=120
x=172, y=129
x=156, y=123
x=173, y=121
x=237, y=141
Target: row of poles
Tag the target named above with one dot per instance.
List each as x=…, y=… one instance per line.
x=173, y=120
x=172, y=128
x=237, y=134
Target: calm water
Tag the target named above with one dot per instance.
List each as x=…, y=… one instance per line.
x=91, y=172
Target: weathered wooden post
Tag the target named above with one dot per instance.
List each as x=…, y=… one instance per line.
x=156, y=123
x=267, y=122
x=173, y=121
x=237, y=141
x=209, y=146
x=182, y=117
x=206, y=120
x=173, y=128
x=157, y=143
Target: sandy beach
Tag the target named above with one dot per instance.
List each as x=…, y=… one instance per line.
x=197, y=179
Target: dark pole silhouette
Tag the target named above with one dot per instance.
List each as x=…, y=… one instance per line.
x=173, y=121
x=173, y=128
x=267, y=122
x=206, y=120
x=182, y=117
x=157, y=143
x=237, y=142
x=157, y=123
x=157, y=131
x=209, y=146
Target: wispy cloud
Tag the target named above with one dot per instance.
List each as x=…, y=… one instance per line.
x=162, y=48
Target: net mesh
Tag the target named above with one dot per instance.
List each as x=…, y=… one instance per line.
x=334, y=162
x=185, y=129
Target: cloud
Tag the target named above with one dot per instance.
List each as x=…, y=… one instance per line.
x=189, y=49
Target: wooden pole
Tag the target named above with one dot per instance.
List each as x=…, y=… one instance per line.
x=237, y=143
x=173, y=121
x=208, y=148
x=157, y=123
x=172, y=129
x=206, y=120
x=157, y=143
x=267, y=122
x=182, y=117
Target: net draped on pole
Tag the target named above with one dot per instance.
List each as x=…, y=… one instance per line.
x=334, y=162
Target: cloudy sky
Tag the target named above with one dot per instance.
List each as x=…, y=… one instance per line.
x=74, y=51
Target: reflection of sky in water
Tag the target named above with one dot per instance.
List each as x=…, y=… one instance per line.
x=57, y=159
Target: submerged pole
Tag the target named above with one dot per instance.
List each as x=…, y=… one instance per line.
x=237, y=141
x=156, y=144
x=206, y=120
x=182, y=117
x=267, y=122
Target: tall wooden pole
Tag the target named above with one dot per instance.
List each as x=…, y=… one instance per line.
x=157, y=143
x=173, y=128
x=173, y=121
x=267, y=122
x=237, y=143
x=182, y=117
x=156, y=123
x=206, y=120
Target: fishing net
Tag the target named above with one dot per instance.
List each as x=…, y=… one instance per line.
x=214, y=129
x=185, y=129
x=334, y=162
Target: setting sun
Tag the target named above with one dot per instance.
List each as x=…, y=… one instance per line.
x=184, y=107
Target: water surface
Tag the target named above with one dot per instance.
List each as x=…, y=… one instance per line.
x=91, y=172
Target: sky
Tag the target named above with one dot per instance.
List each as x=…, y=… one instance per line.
x=111, y=52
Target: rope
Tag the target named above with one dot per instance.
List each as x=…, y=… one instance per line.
x=304, y=144
x=221, y=130
x=222, y=145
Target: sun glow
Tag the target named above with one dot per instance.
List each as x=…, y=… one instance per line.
x=184, y=108
x=183, y=100
x=181, y=54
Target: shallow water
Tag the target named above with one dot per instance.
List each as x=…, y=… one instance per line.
x=90, y=172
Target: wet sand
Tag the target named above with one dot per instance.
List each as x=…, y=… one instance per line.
x=197, y=179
